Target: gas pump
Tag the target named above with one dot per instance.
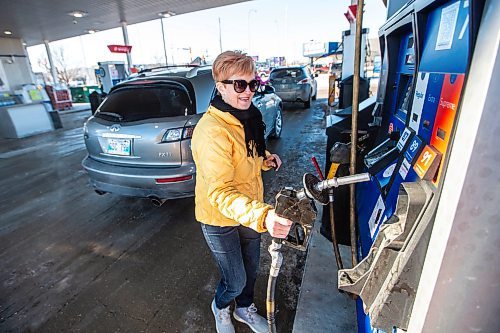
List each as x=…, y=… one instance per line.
x=110, y=73
x=427, y=47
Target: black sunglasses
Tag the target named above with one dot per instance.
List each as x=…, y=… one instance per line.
x=241, y=85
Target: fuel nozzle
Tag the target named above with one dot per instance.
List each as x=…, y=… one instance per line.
x=318, y=190
x=298, y=206
x=299, y=210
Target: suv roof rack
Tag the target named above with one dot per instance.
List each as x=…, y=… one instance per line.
x=147, y=70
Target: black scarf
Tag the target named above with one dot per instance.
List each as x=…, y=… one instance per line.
x=253, y=125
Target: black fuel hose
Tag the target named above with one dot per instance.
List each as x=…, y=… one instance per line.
x=271, y=287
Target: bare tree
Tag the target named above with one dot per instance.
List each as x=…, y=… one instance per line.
x=64, y=73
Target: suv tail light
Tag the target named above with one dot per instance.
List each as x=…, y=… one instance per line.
x=173, y=179
x=304, y=81
x=178, y=134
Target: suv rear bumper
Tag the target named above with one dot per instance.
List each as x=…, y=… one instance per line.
x=301, y=94
x=140, y=182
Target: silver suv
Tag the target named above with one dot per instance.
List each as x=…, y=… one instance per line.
x=294, y=84
x=139, y=139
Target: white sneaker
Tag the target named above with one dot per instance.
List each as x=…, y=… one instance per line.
x=249, y=316
x=223, y=322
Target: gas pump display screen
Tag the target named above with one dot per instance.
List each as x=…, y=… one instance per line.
x=404, y=92
x=410, y=43
x=410, y=53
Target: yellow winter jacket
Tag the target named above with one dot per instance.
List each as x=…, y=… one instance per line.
x=229, y=189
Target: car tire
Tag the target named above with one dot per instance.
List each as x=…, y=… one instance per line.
x=307, y=104
x=278, y=124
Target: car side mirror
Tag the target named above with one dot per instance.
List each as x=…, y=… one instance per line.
x=268, y=89
x=316, y=74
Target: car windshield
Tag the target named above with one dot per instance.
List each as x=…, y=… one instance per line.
x=287, y=73
x=143, y=102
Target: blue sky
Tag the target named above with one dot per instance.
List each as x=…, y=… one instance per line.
x=263, y=27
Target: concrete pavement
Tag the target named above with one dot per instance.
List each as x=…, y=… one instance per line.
x=321, y=308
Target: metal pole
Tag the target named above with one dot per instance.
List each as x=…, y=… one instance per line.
x=53, y=69
x=125, y=40
x=354, y=130
x=164, y=45
x=220, y=37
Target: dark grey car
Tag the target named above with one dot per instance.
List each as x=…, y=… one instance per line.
x=139, y=139
x=294, y=84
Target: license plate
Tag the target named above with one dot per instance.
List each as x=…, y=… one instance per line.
x=119, y=147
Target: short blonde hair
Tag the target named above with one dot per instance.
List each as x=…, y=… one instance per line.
x=232, y=62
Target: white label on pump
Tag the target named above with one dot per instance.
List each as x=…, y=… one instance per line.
x=418, y=100
x=405, y=167
x=447, y=26
x=403, y=139
x=376, y=216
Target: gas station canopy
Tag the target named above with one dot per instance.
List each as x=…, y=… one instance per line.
x=35, y=21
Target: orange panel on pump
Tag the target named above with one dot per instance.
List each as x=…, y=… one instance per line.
x=445, y=116
x=427, y=163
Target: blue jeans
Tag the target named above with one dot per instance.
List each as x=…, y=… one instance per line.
x=237, y=252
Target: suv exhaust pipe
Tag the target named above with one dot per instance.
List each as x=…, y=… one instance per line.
x=157, y=201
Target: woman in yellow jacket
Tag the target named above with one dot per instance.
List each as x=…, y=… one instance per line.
x=230, y=153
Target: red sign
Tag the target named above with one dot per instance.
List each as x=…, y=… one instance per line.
x=350, y=15
x=120, y=48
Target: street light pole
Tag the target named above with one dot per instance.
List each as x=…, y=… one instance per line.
x=249, y=39
x=164, y=45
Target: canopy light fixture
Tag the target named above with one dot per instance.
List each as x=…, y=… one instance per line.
x=92, y=31
x=7, y=32
x=78, y=13
x=166, y=14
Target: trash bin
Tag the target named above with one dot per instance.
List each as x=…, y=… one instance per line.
x=345, y=87
x=81, y=94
